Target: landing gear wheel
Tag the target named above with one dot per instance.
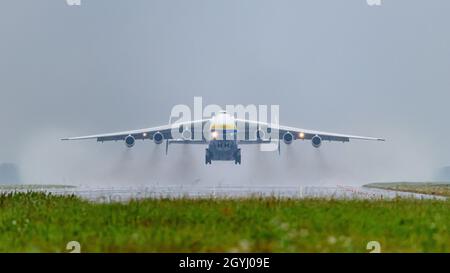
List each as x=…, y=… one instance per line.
x=207, y=157
x=237, y=158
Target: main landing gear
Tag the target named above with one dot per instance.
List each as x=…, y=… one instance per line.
x=237, y=157
x=207, y=157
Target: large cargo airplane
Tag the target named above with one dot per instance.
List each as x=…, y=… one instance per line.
x=223, y=133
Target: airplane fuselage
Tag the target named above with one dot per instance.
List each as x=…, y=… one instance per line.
x=223, y=146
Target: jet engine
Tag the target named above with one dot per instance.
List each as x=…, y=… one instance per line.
x=260, y=134
x=130, y=141
x=288, y=138
x=158, y=138
x=316, y=141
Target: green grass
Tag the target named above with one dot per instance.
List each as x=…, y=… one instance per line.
x=33, y=187
x=37, y=222
x=442, y=189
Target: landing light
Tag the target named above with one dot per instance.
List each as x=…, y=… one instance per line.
x=301, y=135
x=215, y=134
x=144, y=134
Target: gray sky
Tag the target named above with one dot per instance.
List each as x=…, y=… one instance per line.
x=114, y=65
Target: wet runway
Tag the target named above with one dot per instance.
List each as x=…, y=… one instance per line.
x=122, y=194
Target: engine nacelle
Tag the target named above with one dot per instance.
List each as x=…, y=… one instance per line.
x=260, y=134
x=158, y=138
x=288, y=138
x=186, y=134
x=130, y=141
x=316, y=141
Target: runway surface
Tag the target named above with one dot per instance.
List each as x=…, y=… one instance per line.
x=121, y=194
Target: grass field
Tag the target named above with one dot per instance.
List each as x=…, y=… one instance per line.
x=9, y=187
x=37, y=222
x=442, y=189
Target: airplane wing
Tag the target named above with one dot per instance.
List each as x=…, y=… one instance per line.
x=298, y=133
x=146, y=133
x=309, y=134
x=252, y=127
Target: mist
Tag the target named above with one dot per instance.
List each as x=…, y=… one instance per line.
x=47, y=160
x=338, y=66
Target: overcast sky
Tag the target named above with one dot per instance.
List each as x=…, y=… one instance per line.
x=332, y=65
